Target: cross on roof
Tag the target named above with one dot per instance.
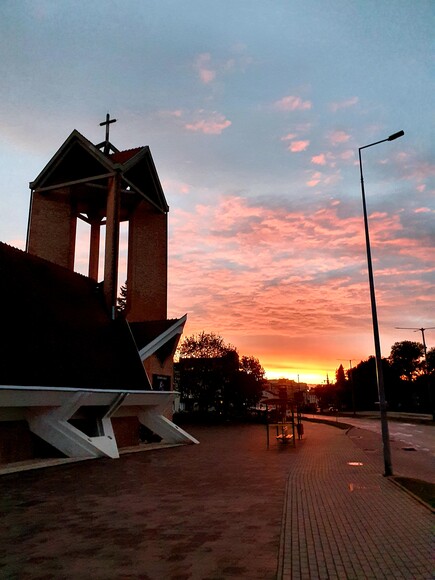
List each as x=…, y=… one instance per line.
x=106, y=142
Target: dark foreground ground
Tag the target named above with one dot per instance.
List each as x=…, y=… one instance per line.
x=225, y=509
x=212, y=510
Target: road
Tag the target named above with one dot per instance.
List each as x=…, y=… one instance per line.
x=420, y=437
x=405, y=437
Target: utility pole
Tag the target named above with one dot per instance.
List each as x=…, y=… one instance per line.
x=429, y=378
x=422, y=336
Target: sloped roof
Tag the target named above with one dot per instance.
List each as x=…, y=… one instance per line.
x=77, y=158
x=157, y=336
x=124, y=156
x=56, y=331
x=80, y=162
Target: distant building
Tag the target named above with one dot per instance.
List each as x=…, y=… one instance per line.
x=76, y=378
x=293, y=389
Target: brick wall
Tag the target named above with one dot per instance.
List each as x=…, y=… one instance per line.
x=147, y=265
x=16, y=442
x=127, y=431
x=52, y=228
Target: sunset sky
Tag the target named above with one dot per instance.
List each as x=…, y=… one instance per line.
x=254, y=111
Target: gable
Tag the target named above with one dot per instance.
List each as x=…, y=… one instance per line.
x=140, y=174
x=80, y=163
x=158, y=337
x=77, y=160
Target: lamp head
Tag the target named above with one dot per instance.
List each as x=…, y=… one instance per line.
x=396, y=135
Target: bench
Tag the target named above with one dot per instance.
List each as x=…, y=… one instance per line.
x=284, y=438
x=285, y=433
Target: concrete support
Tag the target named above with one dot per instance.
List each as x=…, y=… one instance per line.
x=154, y=418
x=52, y=426
x=164, y=428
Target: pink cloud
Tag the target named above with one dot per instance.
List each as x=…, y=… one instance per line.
x=349, y=154
x=206, y=73
x=319, y=159
x=175, y=186
x=423, y=210
x=288, y=137
x=343, y=104
x=211, y=126
x=264, y=277
x=292, y=103
x=175, y=113
x=298, y=146
x=315, y=179
x=337, y=137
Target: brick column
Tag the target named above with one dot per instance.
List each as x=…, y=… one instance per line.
x=52, y=227
x=112, y=243
x=94, y=250
x=147, y=265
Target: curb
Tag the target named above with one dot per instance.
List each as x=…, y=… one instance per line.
x=410, y=493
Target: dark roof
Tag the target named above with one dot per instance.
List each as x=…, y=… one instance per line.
x=56, y=331
x=123, y=156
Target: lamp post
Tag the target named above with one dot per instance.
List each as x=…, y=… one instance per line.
x=388, y=469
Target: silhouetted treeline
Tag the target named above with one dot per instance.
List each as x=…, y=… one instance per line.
x=408, y=382
x=211, y=377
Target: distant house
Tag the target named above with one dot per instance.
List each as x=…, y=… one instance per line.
x=76, y=379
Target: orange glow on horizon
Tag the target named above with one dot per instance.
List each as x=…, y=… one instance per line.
x=311, y=376
x=310, y=372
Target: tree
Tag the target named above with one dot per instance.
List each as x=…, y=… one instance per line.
x=343, y=390
x=206, y=368
x=429, y=381
x=365, y=383
x=248, y=384
x=430, y=357
x=340, y=377
x=204, y=345
x=252, y=367
x=212, y=376
x=326, y=396
x=121, y=301
x=406, y=358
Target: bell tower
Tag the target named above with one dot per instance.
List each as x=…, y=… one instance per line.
x=104, y=186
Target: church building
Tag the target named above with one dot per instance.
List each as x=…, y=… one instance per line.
x=80, y=378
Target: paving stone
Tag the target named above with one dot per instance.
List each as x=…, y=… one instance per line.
x=364, y=526
x=226, y=509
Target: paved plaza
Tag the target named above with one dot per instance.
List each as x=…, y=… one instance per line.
x=225, y=509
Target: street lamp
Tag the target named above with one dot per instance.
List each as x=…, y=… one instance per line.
x=379, y=371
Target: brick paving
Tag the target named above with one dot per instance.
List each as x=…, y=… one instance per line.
x=343, y=519
x=225, y=509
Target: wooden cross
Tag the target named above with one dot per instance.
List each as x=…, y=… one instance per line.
x=107, y=123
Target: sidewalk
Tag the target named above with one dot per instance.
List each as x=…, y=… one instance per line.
x=225, y=509
x=344, y=520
